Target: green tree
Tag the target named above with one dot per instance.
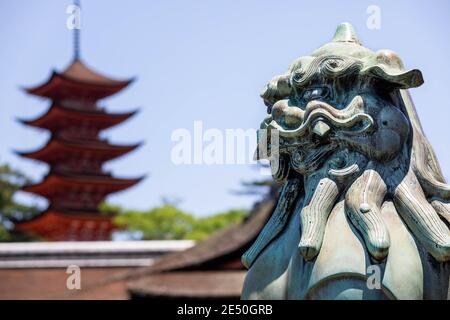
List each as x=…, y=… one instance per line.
x=204, y=227
x=161, y=223
x=170, y=223
x=10, y=210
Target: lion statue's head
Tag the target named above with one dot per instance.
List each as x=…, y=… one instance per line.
x=346, y=130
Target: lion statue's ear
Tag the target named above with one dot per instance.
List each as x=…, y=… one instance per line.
x=386, y=65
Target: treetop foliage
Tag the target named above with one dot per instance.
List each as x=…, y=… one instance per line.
x=170, y=223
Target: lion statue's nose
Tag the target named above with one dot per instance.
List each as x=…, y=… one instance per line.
x=289, y=116
x=286, y=115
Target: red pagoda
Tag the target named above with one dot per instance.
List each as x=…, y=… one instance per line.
x=76, y=183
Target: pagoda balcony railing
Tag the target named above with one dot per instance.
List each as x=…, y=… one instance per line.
x=80, y=104
x=79, y=135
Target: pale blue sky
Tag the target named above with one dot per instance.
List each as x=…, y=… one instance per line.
x=201, y=60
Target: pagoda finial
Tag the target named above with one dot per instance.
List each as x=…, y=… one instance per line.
x=76, y=31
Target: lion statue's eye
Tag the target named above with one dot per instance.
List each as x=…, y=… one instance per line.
x=315, y=93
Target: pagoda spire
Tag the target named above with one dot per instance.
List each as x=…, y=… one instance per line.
x=76, y=31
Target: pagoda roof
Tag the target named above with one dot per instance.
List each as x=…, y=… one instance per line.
x=195, y=285
x=221, y=247
x=54, y=182
x=56, y=146
x=57, y=225
x=213, y=260
x=58, y=116
x=78, y=71
x=204, y=268
x=78, y=80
